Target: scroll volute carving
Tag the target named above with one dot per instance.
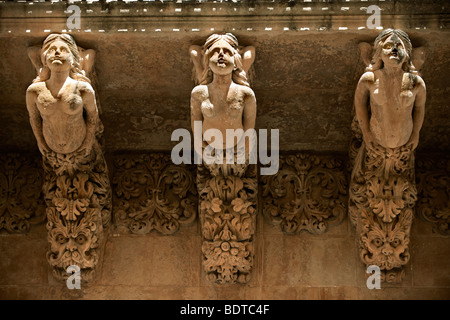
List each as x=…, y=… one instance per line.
x=309, y=193
x=389, y=111
x=433, y=186
x=64, y=117
x=227, y=190
x=21, y=203
x=151, y=193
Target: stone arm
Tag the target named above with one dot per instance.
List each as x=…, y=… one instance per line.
x=418, y=114
x=249, y=114
x=90, y=106
x=196, y=115
x=361, y=101
x=36, y=121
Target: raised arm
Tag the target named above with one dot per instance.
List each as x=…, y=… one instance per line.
x=361, y=102
x=418, y=113
x=90, y=106
x=36, y=120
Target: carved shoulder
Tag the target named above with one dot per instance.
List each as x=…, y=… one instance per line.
x=85, y=87
x=368, y=77
x=199, y=92
x=418, y=82
x=34, y=88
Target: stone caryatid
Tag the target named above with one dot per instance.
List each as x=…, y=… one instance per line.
x=223, y=101
x=64, y=117
x=389, y=107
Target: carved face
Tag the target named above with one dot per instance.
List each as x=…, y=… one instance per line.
x=393, y=51
x=58, y=56
x=386, y=248
x=72, y=248
x=221, y=58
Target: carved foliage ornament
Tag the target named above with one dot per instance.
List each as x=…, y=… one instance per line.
x=308, y=193
x=78, y=211
x=228, y=218
x=433, y=184
x=20, y=193
x=151, y=193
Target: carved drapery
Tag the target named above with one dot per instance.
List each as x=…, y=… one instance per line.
x=433, y=186
x=21, y=204
x=151, y=193
x=308, y=193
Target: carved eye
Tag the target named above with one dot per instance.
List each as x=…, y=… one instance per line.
x=61, y=239
x=81, y=239
x=377, y=242
x=395, y=243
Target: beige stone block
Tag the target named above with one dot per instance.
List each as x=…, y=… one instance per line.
x=23, y=260
x=405, y=294
x=327, y=262
x=126, y=260
x=338, y=293
x=9, y=293
x=273, y=261
x=430, y=258
x=175, y=261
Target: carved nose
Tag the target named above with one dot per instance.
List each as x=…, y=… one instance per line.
x=387, y=251
x=71, y=246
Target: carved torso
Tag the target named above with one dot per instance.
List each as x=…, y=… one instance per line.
x=222, y=111
x=391, y=102
x=63, y=126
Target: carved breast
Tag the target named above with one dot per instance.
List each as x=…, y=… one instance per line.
x=208, y=109
x=235, y=108
x=73, y=103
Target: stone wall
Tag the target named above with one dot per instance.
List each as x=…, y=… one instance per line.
x=287, y=267
x=304, y=77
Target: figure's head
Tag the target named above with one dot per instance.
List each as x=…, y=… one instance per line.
x=392, y=48
x=60, y=52
x=221, y=56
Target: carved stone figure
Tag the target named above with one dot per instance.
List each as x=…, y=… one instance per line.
x=389, y=106
x=228, y=191
x=64, y=117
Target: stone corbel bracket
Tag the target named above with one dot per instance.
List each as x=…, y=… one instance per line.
x=228, y=222
x=21, y=203
x=433, y=187
x=77, y=195
x=151, y=193
x=309, y=193
x=78, y=205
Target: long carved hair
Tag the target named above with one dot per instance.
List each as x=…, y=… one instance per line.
x=75, y=72
x=239, y=76
x=377, y=62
